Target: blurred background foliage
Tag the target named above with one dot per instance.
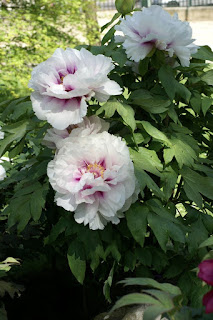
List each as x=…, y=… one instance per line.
x=30, y=31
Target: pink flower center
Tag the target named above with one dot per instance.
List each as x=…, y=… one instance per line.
x=96, y=169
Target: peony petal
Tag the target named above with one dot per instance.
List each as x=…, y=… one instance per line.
x=64, y=81
x=95, y=175
x=154, y=27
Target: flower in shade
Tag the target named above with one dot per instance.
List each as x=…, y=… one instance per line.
x=1, y=134
x=94, y=176
x=155, y=28
x=206, y=271
x=2, y=173
x=63, y=83
x=208, y=302
x=54, y=138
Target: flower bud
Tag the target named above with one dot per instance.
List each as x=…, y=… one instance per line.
x=124, y=6
x=206, y=271
x=208, y=302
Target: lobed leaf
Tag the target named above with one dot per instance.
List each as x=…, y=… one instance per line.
x=76, y=260
x=124, y=110
x=137, y=221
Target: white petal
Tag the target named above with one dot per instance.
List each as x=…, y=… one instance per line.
x=65, y=201
x=2, y=173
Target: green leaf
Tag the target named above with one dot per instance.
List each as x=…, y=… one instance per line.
x=10, y=108
x=26, y=203
x=17, y=131
x=169, y=178
x=124, y=110
x=159, y=229
x=143, y=66
x=145, y=159
x=155, y=133
x=206, y=104
x=129, y=261
x=194, y=189
x=173, y=114
x=176, y=267
x=171, y=85
x=92, y=245
x=145, y=180
x=116, y=16
x=207, y=243
x=156, y=206
x=137, y=221
x=195, y=102
x=76, y=260
x=197, y=235
x=37, y=204
x=108, y=284
x=144, y=256
x=127, y=114
x=17, y=149
x=113, y=249
x=163, y=229
x=135, y=298
x=108, y=36
x=119, y=57
x=168, y=155
x=182, y=150
x=148, y=282
x=152, y=103
x=163, y=297
x=21, y=108
x=57, y=229
x=8, y=287
x=153, y=312
x=208, y=77
x=19, y=209
x=203, y=53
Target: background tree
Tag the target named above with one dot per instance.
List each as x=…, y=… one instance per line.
x=92, y=27
x=32, y=30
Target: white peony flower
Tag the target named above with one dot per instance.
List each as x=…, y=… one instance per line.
x=94, y=176
x=2, y=173
x=154, y=27
x=65, y=81
x=1, y=134
x=90, y=125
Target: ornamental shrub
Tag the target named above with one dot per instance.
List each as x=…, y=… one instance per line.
x=154, y=88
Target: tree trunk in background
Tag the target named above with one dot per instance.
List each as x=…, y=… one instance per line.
x=93, y=30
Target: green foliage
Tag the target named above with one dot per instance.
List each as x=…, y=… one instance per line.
x=162, y=298
x=7, y=287
x=165, y=117
x=76, y=259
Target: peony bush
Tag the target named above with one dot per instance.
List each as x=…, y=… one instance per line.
x=109, y=161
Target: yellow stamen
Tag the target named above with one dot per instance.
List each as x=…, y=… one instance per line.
x=96, y=167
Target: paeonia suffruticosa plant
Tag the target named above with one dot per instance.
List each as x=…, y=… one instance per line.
x=110, y=158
